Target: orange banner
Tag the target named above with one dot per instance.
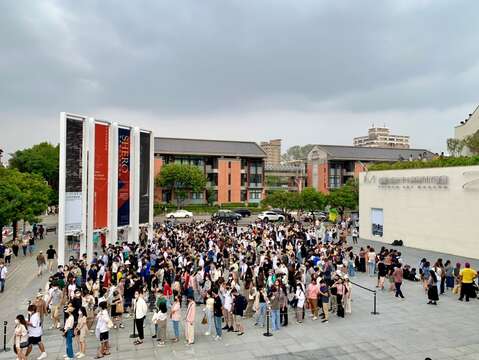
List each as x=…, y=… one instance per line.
x=100, y=203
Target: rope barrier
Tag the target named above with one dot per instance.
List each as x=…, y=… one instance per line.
x=374, y=312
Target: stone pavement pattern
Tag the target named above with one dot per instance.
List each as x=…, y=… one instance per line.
x=405, y=329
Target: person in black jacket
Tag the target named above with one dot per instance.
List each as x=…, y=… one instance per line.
x=218, y=314
x=239, y=305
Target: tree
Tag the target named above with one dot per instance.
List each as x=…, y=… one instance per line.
x=312, y=200
x=297, y=152
x=472, y=143
x=42, y=159
x=23, y=196
x=279, y=199
x=345, y=197
x=455, y=146
x=181, y=178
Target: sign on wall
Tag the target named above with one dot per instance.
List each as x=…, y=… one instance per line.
x=144, y=206
x=124, y=141
x=73, y=178
x=100, y=207
x=377, y=221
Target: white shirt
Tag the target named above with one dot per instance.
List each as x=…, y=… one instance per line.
x=35, y=327
x=141, y=309
x=3, y=272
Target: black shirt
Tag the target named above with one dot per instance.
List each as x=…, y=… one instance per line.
x=51, y=254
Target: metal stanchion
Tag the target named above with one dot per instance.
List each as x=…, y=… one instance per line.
x=133, y=336
x=375, y=306
x=5, y=349
x=268, y=315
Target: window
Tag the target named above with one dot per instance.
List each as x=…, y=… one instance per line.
x=244, y=196
x=255, y=195
x=197, y=196
x=229, y=164
x=229, y=179
x=229, y=195
x=213, y=179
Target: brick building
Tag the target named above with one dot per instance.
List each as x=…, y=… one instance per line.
x=235, y=169
x=331, y=166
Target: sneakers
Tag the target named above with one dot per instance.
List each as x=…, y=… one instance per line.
x=217, y=338
x=207, y=333
x=42, y=356
x=325, y=321
x=81, y=355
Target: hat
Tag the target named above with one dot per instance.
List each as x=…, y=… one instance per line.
x=39, y=295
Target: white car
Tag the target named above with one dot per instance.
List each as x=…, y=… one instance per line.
x=179, y=214
x=270, y=216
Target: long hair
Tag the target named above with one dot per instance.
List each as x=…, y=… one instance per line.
x=433, y=275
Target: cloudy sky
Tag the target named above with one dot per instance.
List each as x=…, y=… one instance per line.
x=306, y=71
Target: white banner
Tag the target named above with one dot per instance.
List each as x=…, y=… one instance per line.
x=73, y=212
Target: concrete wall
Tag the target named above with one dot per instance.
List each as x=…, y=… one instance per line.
x=438, y=218
x=469, y=128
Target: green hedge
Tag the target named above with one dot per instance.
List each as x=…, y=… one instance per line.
x=418, y=164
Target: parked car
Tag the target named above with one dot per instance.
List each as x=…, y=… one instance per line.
x=271, y=216
x=179, y=214
x=226, y=215
x=243, y=212
x=310, y=216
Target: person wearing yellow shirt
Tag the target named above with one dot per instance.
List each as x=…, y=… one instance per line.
x=467, y=276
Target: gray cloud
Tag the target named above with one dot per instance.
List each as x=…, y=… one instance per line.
x=306, y=70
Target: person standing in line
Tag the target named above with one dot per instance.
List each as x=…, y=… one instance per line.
x=68, y=332
x=371, y=256
x=398, y=279
x=81, y=332
x=41, y=263
x=209, y=312
x=102, y=330
x=15, y=247
x=432, y=292
x=355, y=235
x=218, y=314
x=162, y=322
x=51, y=255
x=274, y=306
x=54, y=303
x=35, y=332
x=449, y=272
x=21, y=337
x=31, y=245
x=3, y=276
x=239, y=306
x=261, y=299
x=324, y=296
x=190, y=321
x=176, y=317
x=299, y=298
x=140, y=310
x=467, y=277
x=313, y=298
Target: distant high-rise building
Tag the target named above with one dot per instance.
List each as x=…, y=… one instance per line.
x=381, y=137
x=273, y=152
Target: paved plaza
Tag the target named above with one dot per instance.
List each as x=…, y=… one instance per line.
x=404, y=329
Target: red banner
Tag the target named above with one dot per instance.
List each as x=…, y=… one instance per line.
x=100, y=207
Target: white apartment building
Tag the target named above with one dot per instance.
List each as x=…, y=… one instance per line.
x=382, y=137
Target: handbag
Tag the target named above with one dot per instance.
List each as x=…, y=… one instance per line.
x=204, y=321
x=23, y=344
x=119, y=308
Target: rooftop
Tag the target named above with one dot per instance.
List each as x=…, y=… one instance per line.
x=180, y=146
x=341, y=152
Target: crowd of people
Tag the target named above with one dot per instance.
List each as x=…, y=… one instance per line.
x=229, y=274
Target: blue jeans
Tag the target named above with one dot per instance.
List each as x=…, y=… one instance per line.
x=209, y=317
x=176, y=328
x=69, y=343
x=351, y=270
x=371, y=268
x=219, y=330
x=2, y=285
x=275, y=320
x=261, y=314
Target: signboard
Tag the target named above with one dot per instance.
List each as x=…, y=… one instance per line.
x=377, y=222
x=100, y=201
x=124, y=140
x=73, y=178
x=144, y=206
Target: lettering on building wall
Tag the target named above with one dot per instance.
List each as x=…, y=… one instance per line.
x=409, y=182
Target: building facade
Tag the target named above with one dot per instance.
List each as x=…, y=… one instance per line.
x=331, y=166
x=285, y=177
x=234, y=169
x=467, y=128
x=432, y=209
x=272, y=149
x=382, y=137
